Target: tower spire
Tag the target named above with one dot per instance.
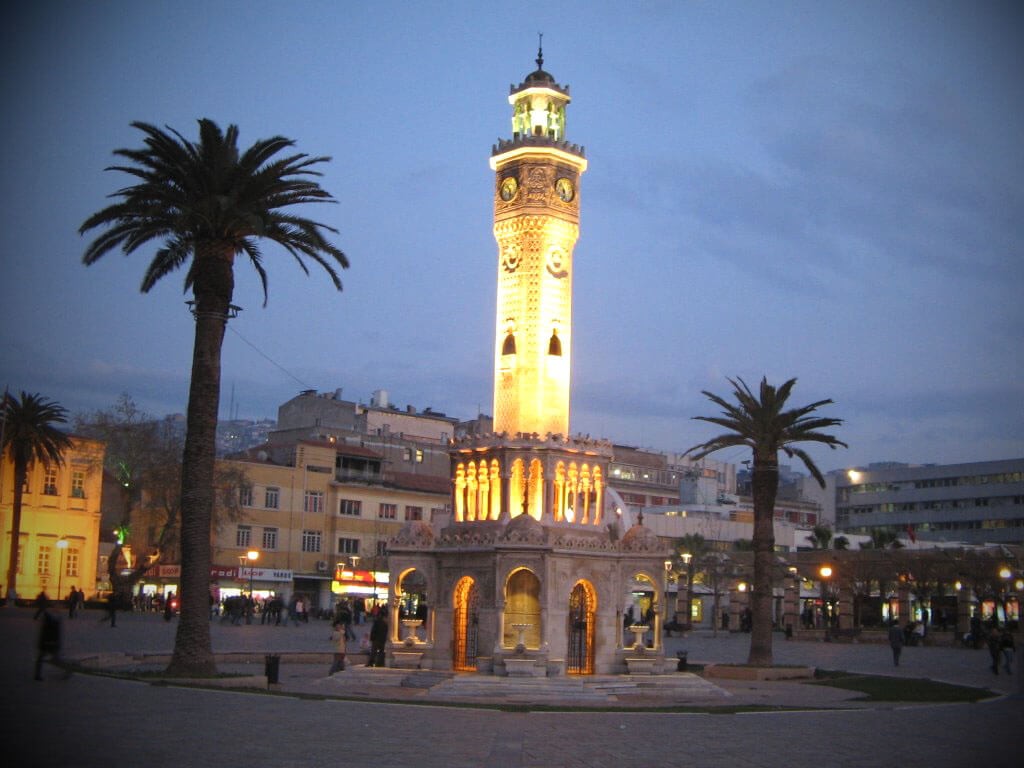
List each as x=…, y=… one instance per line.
x=540, y=51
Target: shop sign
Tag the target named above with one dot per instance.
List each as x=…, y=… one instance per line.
x=268, y=574
x=224, y=572
x=168, y=571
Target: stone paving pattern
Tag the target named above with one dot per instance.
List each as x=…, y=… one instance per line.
x=92, y=721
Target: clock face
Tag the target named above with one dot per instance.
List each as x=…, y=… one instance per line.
x=556, y=263
x=508, y=189
x=565, y=190
x=510, y=258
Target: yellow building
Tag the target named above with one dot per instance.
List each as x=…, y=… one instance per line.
x=60, y=522
x=319, y=514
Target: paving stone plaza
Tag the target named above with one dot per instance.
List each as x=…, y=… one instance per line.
x=430, y=721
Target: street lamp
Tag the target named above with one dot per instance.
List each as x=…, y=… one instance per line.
x=826, y=573
x=252, y=555
x=62, y=544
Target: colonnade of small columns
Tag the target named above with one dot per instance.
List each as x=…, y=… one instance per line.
x=485, y=489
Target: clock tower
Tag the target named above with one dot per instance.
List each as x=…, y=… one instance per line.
x=536, y=224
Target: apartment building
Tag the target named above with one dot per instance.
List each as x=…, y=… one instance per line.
x=974, y=503
x=60, y=522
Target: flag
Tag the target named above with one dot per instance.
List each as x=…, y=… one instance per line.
x=910, y=533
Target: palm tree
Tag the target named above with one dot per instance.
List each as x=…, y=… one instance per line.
x=762, y=424
x=820, y=537
x=28, y=434
x=205, y=203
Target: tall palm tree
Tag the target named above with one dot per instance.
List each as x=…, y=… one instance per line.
x=29, y=434
x=205, y=203
x=763, y=424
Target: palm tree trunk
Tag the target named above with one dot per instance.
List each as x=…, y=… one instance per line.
x=20, y=473
x=213, y=286
x=765, y=486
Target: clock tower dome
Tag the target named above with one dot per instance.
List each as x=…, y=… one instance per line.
x=536, y=224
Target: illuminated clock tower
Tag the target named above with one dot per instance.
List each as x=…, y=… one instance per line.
x=536, y=224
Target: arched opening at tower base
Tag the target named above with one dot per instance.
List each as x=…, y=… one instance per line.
x=522, y=615
x=465, y=625
x=582, y=614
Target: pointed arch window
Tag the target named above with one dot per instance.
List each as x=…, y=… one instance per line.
x=508, y=347
x=555, y=345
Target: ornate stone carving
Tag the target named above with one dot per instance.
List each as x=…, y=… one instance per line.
x=416, y=533
x=640, y=539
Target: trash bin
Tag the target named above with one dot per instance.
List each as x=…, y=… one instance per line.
x=272, y=668
x=681, y=655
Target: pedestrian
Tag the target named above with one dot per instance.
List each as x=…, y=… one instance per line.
x=48, y=646
x=42, y=603
x=343, y=619
x=895, y=641
x=976, y=635
x=378, y=638
x=111, y=610
x=993, y=640
x=341, y=637
x=169, y=606
x=1007, y=647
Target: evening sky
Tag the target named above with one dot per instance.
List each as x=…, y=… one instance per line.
x=822, y=190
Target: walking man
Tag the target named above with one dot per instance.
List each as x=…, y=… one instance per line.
x=895, y=641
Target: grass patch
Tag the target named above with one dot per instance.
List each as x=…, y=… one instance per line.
x=881, y=688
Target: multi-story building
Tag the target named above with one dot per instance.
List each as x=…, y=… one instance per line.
x=60, y=521
x=408, y=440
x=319, y=514
x=972, y=503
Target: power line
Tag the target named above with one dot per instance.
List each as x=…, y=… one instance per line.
x=269, y=359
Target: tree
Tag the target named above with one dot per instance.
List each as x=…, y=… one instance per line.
x=820, y=536
x=29, y=434
x=205, y=203
x=144, y=455
x=763, y=424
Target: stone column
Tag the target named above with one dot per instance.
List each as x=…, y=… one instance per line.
x=903, y=598
x=791, y=604
x=963, y=612
x=844, y=607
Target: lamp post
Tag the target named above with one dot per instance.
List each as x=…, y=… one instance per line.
x=826, y=573
x=252, y=555
x=62, y=544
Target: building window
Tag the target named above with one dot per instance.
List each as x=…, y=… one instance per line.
x=78, y=484
x=50, y=481
x=413, y=513
x=243, y=536
x=419, y=456
x=311, y=541
x=245, y=495
x=350, y=508
x=348, y=546
x=388, y=511
x=382, y=548
x=313, y=502
x=270, y=538
x=71, y=558
x=271, y=497
x=43, y=563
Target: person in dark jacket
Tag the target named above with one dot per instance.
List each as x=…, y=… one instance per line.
x=378, y=638
x=895, y=641
x=992, y=639
x=48, y=646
